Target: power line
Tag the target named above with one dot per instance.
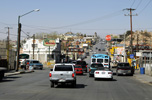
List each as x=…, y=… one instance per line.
x=145, y=7
x=133, y=3
x=93, y=20
x=80, y=23
x=139, y=4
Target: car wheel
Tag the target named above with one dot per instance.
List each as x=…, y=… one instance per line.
x=111, y=78
x=95, y=79
x=74, y=84
x=117, y=73
x=52, y=84
x=41, y=68
x=131, y=74
x=90, y=75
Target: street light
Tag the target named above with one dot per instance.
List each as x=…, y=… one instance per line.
x=19, y=32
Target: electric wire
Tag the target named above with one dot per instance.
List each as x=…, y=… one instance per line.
x=139, y=4
x=132, y=4
x=145, y=7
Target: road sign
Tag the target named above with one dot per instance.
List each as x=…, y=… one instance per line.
x=108, y=37
x=131, y=56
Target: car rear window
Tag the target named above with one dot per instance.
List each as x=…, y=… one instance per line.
x=63, y=68
x=100, y=60
x=35, y=61
x=77, y=66
x=103, y=68
x=93, y=60
x=123, y=64
x=81, y=62
x=96, y=65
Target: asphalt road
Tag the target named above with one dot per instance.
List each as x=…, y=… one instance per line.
x=36, y=86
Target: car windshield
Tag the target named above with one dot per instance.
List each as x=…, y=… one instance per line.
x=96, y=65
x=77, y=67
x=63, y=68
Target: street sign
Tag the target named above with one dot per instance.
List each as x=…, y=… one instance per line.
x=108, y=37
x=131, y=56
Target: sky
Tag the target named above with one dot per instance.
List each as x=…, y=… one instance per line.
x=84, y=16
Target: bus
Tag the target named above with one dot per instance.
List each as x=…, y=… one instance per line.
x=22, y=57
x=101, y=59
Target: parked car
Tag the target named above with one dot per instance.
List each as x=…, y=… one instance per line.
x=62, y=73
x=35, y=64
x=103, y=72
x=78, y=69
x=124, y=69
x=94, y=67
x=83, y=64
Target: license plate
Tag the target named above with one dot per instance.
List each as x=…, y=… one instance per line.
x=61, y=80
x=103, y=72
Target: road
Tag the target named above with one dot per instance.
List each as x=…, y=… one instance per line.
x=36, y=86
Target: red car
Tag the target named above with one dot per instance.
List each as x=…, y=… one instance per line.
x=78, y=69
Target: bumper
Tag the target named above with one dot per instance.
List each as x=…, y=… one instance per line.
x=107, y=76
x=62, y=80
x=124, y=72
x=79, y=72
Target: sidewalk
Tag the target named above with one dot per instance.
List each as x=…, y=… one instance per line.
x=143, y=77
x=13, y=72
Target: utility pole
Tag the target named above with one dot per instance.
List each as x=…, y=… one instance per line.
x=130, y=9
x=33, y=44
x=8, y=46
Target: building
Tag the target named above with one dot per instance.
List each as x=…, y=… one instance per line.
x=43, y=51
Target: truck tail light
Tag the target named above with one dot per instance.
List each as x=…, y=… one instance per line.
x=73, y=75
x=86, y=66
x=50, y=75
x=89, y=70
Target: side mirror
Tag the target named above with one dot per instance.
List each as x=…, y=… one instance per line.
x=51, y=69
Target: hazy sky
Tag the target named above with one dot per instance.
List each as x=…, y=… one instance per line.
x=85, y=16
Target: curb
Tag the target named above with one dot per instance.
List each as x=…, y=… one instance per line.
x=16, y=73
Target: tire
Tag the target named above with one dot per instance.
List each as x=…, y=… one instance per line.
x=74, y=84
x=111, y=78
x=1, y=75
x=95, y=79
x=52, y=84
x=41, y=68
x=117, y=73
x=131, y=74
x=90, y=75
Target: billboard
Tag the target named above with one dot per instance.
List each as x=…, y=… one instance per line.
x=120, y=50
x=49, y=42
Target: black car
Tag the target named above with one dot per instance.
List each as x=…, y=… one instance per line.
x=124, y=69
x=83, y=64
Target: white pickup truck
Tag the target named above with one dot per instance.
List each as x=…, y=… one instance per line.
x=62, y=73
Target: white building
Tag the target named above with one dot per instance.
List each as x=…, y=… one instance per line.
x=41, y=52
